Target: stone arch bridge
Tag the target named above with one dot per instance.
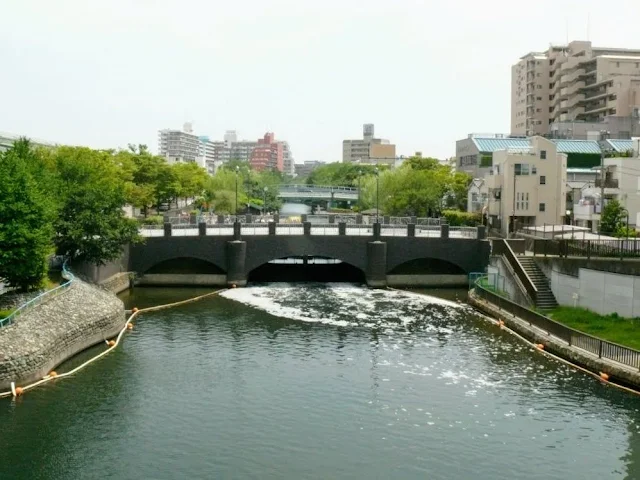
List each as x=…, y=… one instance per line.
x=398, y=256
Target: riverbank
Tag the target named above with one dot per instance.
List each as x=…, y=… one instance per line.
x=616, y=372
x=46, y=336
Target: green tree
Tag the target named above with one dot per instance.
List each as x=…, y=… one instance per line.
x=91, y=224
x=26, y=216
x=613, y=216
x=191, y=178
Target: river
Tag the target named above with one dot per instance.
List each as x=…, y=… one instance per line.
x=334, y=381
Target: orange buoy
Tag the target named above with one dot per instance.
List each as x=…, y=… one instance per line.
x=501, y=323
x=233, y=286
x=53, y=373
x=540, y=346
x=129, y=326
x=134, y=309
x=19, y=391
x=604, y=376
x=111, y=343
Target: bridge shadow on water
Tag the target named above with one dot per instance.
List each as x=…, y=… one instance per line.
x=310, y=269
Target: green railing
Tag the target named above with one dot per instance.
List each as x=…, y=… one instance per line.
x=66, y=274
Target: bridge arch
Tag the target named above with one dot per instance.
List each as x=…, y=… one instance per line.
x=306, y=269
x=185, y=265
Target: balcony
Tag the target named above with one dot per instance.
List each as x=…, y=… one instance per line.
x=608, y=183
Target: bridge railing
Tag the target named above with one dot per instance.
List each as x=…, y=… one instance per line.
x=309, y=228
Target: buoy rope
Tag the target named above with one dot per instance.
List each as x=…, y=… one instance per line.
x=556, y=357
x=134, y=314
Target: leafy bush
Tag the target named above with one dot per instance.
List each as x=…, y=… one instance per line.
x=457, y=218
x=152, y=220
x=5, y=313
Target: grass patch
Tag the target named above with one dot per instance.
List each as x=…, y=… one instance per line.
x=614, y=328
x=5, y=313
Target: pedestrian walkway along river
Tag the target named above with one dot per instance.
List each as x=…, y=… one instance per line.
x=292, y=381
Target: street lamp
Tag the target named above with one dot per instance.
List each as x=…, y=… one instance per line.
x=359, y=176
x=237, y=172
x=264, y=201
x=377, y=172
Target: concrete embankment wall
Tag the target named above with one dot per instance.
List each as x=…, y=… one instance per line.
x=42, y=338
x=181, y=280
x=602, y=285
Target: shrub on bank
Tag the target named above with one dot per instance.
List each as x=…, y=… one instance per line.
x=5, y=313
x=152, y=220
x=458, y=218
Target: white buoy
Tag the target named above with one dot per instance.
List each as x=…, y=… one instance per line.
x=13, y=389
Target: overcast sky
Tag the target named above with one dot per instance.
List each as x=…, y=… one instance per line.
x=110, y=72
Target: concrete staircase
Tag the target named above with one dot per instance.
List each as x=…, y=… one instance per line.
x=545, y=299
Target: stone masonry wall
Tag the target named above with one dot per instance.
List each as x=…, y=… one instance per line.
x=44, y=337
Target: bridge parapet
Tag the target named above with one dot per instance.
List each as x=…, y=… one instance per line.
x=339, y=228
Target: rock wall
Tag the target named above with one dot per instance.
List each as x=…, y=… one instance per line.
x=45, y=336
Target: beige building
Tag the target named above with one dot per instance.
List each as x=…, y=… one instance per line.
x=526, y=184
x=367, y=149
x=574, y=82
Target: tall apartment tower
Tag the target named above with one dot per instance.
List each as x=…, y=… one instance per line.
x=179, y=145
x=573, y=83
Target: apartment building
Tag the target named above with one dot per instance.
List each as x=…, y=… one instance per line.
x=621, y=181
x=287, y=160
x=527, y=185
x=367, y=149
x=573, y=82
x=304, y=169
x=7, y=139
x=474, y=154
x=179, y=145
x=267, y=154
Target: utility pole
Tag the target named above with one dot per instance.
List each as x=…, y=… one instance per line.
x=513, y=218
x=603, y=137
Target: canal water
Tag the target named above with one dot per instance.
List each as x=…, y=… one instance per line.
x=333, y=381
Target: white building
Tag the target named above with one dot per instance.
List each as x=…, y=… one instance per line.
x=179, y=145
x=526, y=185
x=7, y=139
x=621, y=182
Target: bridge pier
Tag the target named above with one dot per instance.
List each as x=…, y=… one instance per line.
x=376, y=273
x=237, y=230
x=236, y=259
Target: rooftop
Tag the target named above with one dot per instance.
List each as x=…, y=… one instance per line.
x=490, y=145
x=620, y=145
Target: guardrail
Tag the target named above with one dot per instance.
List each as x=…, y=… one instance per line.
x=597, y=346
x=623, y=248
x=66, y=274
x=502, y=247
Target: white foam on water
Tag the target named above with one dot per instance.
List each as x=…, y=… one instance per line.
x=348, y=305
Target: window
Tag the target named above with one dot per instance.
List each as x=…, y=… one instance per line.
x=534, y=170
x=542, y=207
x=618, y=64
x=543, y=154
x=543, y=180
x=538, y=98
x=539, y=87
x=521, y=168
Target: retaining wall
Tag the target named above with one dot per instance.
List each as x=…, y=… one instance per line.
x=42, y=338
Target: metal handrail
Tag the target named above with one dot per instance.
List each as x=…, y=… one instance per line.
x=595, y=345
x=66, y=274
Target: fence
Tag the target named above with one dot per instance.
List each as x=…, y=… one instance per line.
x=627, y=248
x=66, y=274
x=589, y=343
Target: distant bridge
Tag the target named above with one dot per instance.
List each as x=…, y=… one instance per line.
x=318, y=192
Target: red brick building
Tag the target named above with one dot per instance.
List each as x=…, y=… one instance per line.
x=268, y=154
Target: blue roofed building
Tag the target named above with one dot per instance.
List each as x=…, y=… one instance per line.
x=474, y=154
